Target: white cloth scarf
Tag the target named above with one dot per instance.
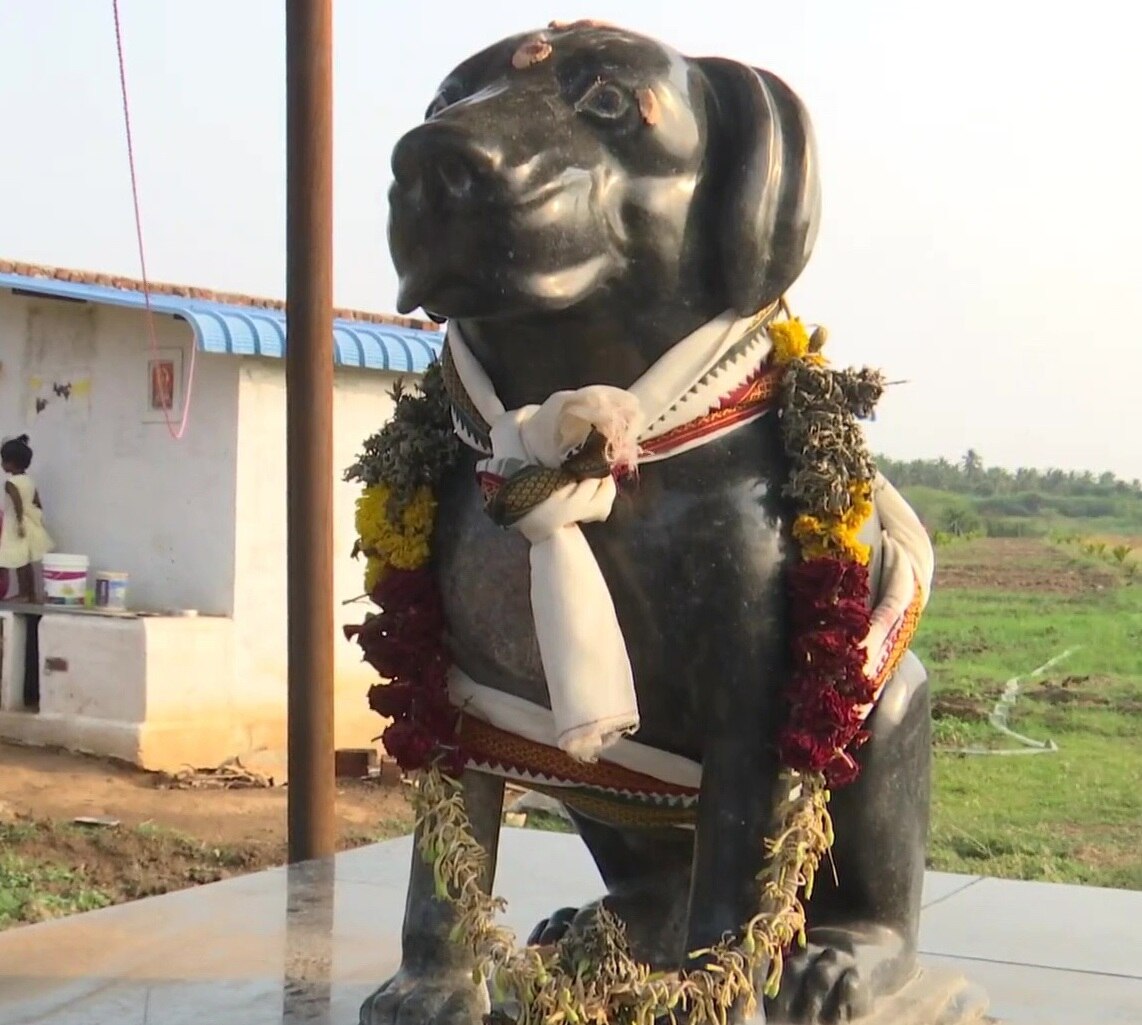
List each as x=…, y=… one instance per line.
x=589, y=679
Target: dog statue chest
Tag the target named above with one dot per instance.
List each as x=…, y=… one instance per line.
x=485, y=583
x=692, y=554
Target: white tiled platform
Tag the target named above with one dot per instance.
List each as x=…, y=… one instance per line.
x=304, y=946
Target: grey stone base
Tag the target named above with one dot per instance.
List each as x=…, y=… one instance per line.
x=934, y=997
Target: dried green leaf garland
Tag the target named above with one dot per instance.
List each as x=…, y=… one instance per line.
x=416, y=448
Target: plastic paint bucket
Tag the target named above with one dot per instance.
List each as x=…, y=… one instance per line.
x=110, y=590
x=65, y=579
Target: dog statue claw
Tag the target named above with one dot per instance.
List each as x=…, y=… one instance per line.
x=426, y=1000
x=578, y=203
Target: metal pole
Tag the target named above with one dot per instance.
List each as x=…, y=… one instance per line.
x=309, y=424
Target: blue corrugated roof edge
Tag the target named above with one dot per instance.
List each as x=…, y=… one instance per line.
x=239, y=329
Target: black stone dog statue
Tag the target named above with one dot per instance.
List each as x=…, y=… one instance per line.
x=577, y=201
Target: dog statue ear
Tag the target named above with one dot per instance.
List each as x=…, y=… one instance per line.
x=771, y=198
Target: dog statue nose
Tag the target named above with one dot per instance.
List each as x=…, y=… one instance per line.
x=446, y=163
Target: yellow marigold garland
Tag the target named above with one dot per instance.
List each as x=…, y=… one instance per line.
x=790, y=340
x=820, y=536
x=400, y=541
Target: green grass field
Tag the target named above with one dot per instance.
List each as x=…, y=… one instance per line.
x=1001, y=609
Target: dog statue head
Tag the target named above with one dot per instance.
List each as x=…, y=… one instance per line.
x=583, y=166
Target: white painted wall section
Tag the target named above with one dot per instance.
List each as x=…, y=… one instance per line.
x=198, y=524
x=361, y=405
x=115, y=486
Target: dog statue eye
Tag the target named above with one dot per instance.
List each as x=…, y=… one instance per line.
x=605, y=101
x=440, y=102
x=435, y=107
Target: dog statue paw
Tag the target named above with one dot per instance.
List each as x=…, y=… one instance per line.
x=839, y=974
x=433, y=998
x=820, y=986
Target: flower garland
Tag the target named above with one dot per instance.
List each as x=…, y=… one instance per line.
x=830, y=483
x=589, y=976
x=401, y=468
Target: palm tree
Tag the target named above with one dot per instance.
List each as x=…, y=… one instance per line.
x=972, y=464
x=1026, y=479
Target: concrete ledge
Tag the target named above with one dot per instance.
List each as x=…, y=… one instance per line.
x=102, y=737
x=12, y=649
x=162, y=693
x=934, y=997
x=309, y=943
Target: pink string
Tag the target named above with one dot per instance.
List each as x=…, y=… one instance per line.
x=175, y=432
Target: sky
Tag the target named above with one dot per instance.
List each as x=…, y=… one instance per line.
x=981, y=173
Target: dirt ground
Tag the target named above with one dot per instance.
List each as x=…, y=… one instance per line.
x=1019, y=565
x=166, y=837
x=57, y=786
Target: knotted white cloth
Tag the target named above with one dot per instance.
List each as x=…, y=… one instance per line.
x=584, y=655
x=908, y=564
x=588, y=672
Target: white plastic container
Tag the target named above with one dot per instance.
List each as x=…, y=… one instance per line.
x=111, y=590
x=65, y=579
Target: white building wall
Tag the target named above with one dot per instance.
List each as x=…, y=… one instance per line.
x=361, y=405
x=154, y=691
x=198, y=523
x=116, y=487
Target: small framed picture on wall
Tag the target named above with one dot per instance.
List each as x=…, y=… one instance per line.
x=164, y=385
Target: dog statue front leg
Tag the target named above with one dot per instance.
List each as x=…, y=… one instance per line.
x=736, y=799
x=433, y=985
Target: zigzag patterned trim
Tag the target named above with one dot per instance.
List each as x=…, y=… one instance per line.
x=507, y=753
x=469, y=423
x=751, y=400
x=604, y=789
x=736, y=390
x=622, y=811
x=717, y=387
x=898, y=642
